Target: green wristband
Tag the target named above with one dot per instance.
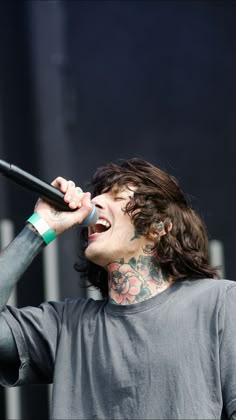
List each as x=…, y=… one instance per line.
x=42, y=227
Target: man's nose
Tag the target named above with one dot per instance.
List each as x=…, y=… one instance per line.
x=99, y=201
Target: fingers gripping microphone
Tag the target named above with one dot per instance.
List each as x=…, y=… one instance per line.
x=44, y=190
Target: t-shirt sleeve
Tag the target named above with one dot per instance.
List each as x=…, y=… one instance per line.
x=227, y=321
x=36, y=332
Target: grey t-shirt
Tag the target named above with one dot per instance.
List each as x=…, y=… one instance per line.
x=170, y=357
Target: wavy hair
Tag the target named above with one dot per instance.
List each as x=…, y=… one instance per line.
x=183, y=251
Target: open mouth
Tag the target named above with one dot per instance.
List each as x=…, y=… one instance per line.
x=101, y=226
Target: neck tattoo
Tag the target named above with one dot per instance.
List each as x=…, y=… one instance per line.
x=135, y=280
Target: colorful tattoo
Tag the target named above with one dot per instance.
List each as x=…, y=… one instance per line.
x=136, y=280
x=136, y=235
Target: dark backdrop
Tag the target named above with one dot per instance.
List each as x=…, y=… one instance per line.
x=86, y=82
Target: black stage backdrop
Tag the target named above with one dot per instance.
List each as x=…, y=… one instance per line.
x=86, y=82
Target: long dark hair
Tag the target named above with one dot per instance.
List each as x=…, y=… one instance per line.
x=183, y=251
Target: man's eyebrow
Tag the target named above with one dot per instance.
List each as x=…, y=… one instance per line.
x=125, y=191
x=122, y=189
x=117, y=189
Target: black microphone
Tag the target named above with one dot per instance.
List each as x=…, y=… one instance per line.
x=43, y=189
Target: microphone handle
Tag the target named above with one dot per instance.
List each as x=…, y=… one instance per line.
x=38, y=186
x=43, y=189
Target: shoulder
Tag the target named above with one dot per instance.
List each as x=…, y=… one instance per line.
x=81, y=314
x=83, y=307
x=211, y=285
x=208, y=292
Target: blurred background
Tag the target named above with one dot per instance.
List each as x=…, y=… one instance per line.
x=87, y=82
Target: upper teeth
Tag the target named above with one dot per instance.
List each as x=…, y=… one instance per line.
x=95, y=228
x=103, y=222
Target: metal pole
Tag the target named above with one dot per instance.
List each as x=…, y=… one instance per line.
x=216, y=253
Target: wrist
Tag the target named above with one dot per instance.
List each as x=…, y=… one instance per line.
x=42, y=228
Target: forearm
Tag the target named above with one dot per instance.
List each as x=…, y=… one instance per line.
x=15, y=259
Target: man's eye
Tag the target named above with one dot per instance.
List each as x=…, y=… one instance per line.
x=119, y=198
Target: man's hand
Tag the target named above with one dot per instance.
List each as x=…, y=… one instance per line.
x=60, y=221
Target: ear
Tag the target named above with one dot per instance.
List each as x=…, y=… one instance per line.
x=169, y=228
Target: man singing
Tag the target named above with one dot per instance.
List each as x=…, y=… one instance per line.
x=161, y=342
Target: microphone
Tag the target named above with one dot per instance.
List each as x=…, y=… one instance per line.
x=43, y=189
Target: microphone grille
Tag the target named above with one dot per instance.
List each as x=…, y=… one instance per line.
x=92, y=218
